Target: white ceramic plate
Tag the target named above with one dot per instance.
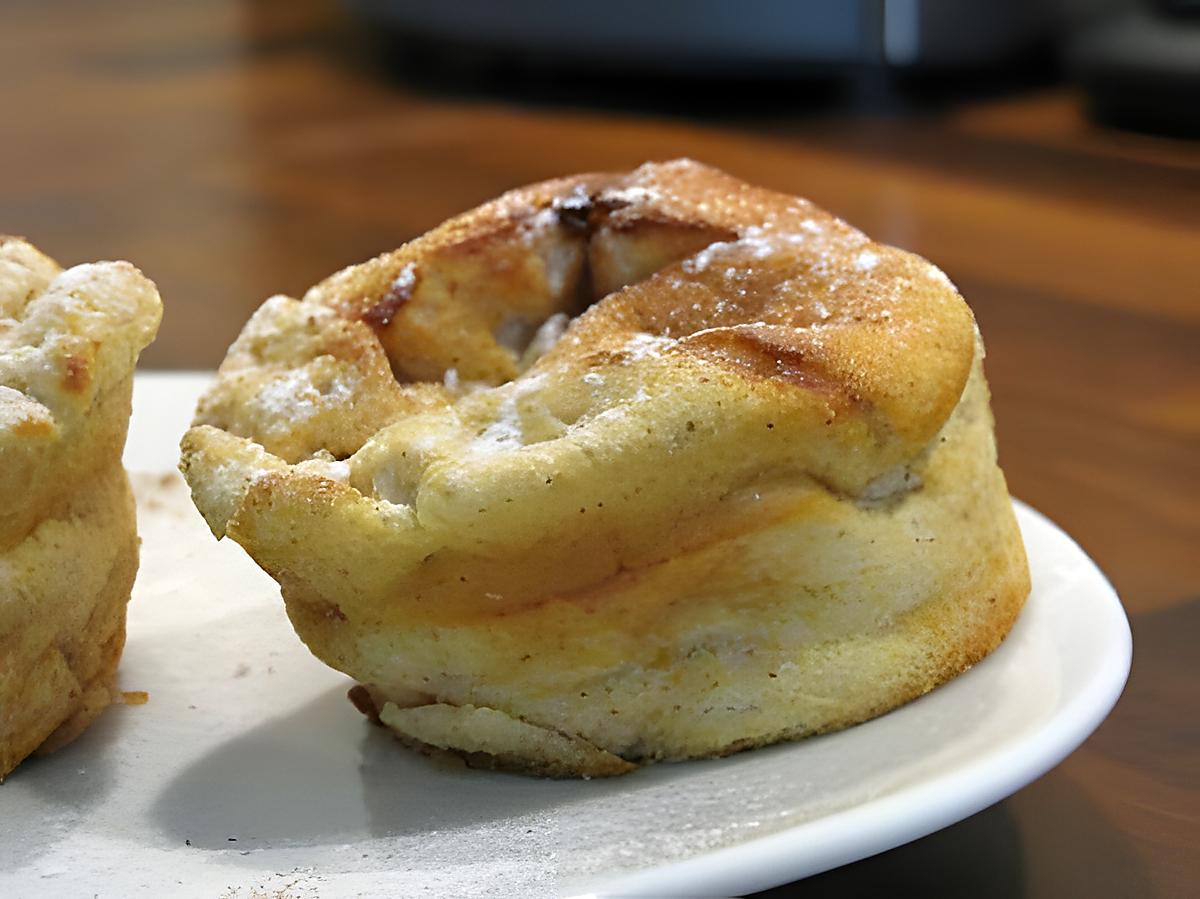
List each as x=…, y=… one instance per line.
x=249, y=774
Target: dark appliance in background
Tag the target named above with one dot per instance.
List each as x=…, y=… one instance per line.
x=1138, y=61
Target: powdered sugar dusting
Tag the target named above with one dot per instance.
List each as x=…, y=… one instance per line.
x=236, y=476
x=646, y=346
x=761, y=242
x=701, y=261
x=294, y=397
x=936, y=274
x=538, y=224
x=332, y=469
x=866, y=260
x=16, y=408
x=405, y=280
x=506, y=432
x=632, y=195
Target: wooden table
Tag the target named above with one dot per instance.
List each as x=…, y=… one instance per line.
x=235, y=150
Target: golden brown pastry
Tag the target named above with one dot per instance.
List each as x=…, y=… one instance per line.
x=69, y=341
x=619, y=468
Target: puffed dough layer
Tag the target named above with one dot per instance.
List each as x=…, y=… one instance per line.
x=69, y=341
x=619, y=468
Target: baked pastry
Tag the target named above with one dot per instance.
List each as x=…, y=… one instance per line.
x=69, y=341
x=619, y=468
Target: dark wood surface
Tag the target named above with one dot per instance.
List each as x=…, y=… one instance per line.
x=235, y=150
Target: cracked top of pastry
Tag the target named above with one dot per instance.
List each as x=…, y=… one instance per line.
x=577, y=369
x=69, y=341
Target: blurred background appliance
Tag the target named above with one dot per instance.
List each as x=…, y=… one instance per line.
x=1141, y=68
x=1138, y=61
x=766, y=36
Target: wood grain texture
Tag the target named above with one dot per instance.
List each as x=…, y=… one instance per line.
x=235, y=150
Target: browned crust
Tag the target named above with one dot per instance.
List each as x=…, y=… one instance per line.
x=738, y=342
x=896, y=333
